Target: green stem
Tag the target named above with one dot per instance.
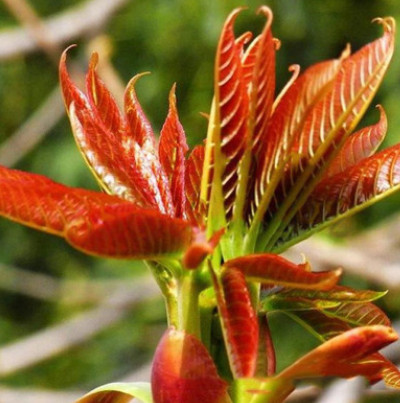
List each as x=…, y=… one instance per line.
x=169, y=288
x=188, y=304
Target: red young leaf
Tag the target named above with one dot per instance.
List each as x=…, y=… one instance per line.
x=138, y=127
x=200, y=248
x=263, y=82
x=349, y=191
x=122, y=166
x=120, y=174
x=342, y=355
x=285, y=124
x=184, y=372
x=341, y=109
x=172, y=150
x=249, y=60
x=359, y=146
x=193, y=173
x=273, y=269
x=70, y=92
x=94, y=222
x=232, y=103
x=329, y=123
x=239, y=322
x=242, y=40
x=101, y=101
x=139, y=140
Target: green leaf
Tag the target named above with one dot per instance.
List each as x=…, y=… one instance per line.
x=119, y=393
x=261, y=390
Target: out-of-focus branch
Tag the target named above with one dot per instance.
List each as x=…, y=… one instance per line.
x=28, y=18
x=61, y=337
x=33, y=130
x=85, y=19
x=62, y=291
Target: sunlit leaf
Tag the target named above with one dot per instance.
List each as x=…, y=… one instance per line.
x=121, y=165
x=193, y=173
x=94, y=222
x=70, y=92
x=227, y=127
x=119, y=393
x=262, y=89
x=172, y=150
x=137, y=125
x=239, y=322
x=183, y=371
x=273, y=269
x=101, y=101
x=347, y=192
x=284, y=127
x=359, y=146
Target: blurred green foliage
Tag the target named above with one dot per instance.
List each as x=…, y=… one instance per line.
x=176, y=41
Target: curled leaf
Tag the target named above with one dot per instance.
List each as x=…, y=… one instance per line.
x=239, y=322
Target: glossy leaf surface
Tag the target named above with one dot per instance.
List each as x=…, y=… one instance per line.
x=274, y=269
x=122, y=165
x=91, y=221
x=239, y=322
x=330, y=122
x=359, y=146
x=172, y=151
x=193, y=173
x=232, y=104
x=349, y=191
x=184, y=372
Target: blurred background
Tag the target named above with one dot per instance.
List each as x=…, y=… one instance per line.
x=69, y=322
